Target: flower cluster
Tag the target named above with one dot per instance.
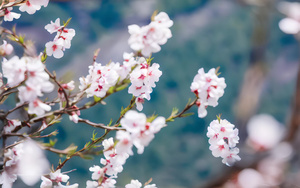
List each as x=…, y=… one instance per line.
x=37, y=81
x=55, y=179
x=29, y=6
x=112, y=165
x=61, y=41
x=208, y=88
x=138, y=132
x=99, y=80
x=137, y=184
x=148, y=39
x=223, y=139
x=143, y=79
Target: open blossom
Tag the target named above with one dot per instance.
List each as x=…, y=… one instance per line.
x=53, y=48
x=208, y=87
x=8, y=15
x=223, y=138
x=61, y=41
x=141, y=131
x=55, y=180
x=53, y=26
x=290, y=24
x=99, y=80
x=14, y=70
x=112, y=164
x=31, y=6
x=148, y=39
x=36, y=83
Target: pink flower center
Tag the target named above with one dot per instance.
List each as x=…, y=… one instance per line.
x=6, y=11
x=35, y=103
x=54, y=47
x=221, y=147
x=125, y=141
x=142, y=77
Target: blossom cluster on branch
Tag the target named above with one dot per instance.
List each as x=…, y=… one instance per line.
x=29, y=78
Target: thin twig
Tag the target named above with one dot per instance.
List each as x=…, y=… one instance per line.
x=99, y=125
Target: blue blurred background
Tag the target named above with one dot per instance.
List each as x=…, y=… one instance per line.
x=206, y=33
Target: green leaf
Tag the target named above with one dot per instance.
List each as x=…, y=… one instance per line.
x=97, y=99
x=151, y=118
x=174, y=111
x=52, y=142
x=87, y=144
x=94, y=135
x=67, y=22
x=120, y=88
x=87, y=157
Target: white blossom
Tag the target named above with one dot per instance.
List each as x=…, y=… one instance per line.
x=208, y=87
x=148, y=39
x=8, y=15
x=14, y=70
x=223, y=138
x=29, y=7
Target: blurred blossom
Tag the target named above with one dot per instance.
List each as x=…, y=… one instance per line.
x=264, y=132
x=32, y=164
x=27, y=161
x=250, y=178
x=274, y=166
x=290, y=24
x=6, y=48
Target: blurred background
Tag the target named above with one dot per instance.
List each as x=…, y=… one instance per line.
x=258, y=61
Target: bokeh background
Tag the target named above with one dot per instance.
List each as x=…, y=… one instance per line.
x=258, y=61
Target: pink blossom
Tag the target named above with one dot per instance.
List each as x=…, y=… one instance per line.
x=223, y=138
x=8, y=15
x=11, y=125
x=69, y=86
x=98, y=172
x=148, y=39
x=99, y=80
x=38, y=107
x=208, y=87
x=53, y=26
x=14, y=70
x=55, y=49
x=29, y=7
x=125, y=143
x=40, y=2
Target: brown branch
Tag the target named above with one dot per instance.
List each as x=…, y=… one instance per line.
x=99, y=125
x=186, y=108
x=53, y=77
x=295, y=118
